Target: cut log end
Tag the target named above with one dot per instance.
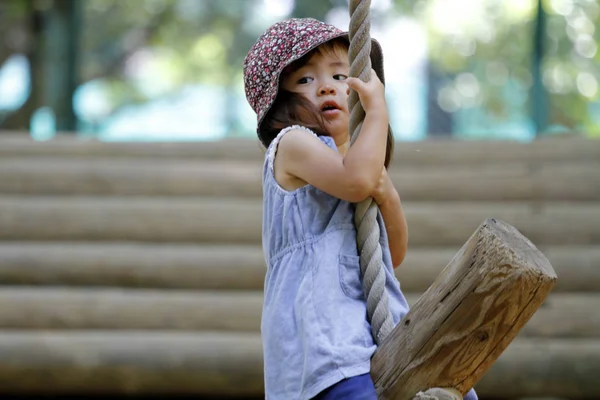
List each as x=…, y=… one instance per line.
x=522, y=248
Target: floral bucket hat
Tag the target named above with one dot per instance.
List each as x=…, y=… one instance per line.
x=282, y=44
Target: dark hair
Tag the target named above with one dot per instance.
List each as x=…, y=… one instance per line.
x=290, y=109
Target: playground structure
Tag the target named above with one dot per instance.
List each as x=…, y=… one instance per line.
x=136, y=267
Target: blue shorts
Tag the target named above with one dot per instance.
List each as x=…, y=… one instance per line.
x=361, y=388
x=356, y=388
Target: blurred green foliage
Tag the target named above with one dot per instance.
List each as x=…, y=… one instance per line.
x=482, y=50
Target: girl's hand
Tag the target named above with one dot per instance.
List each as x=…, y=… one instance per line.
x=385, y=190
x=371, y=94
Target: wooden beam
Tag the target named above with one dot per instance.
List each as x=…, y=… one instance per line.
x=222, y=364
x=211, y=364
x=466, y=319
x=229, y=266
x=427, y=152
x=551, y=181
x=230, y=220
x=68, y=308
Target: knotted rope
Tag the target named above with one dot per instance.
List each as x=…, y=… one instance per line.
x=365, y=215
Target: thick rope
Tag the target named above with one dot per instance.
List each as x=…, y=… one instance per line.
x=365, y=216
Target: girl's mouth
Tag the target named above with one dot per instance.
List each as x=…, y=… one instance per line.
x=330, y=108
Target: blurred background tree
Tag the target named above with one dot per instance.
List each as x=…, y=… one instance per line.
x=107, y=68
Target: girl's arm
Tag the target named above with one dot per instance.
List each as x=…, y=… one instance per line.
x=388, y=199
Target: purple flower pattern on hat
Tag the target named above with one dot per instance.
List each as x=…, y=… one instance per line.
x=282, y=44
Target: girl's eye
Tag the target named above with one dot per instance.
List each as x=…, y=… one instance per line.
x=340, y=77
x=304, y=80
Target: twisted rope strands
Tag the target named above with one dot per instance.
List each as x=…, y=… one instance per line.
x=365, y=216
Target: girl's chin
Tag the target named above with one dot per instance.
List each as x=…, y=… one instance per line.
x=338, y=131
x=337, y=123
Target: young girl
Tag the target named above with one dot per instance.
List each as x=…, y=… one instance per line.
x=316, y=338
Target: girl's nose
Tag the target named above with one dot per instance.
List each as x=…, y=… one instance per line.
x=326, y=89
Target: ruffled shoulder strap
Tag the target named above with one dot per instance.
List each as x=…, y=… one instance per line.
x=272, y=151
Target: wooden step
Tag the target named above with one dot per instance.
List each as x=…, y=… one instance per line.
x=130, y=177
x=129, y=309
x=229, y=267
x=440, y=151
x=219, y=364
x=544, y=368
x=105, y=176
x=229, y=220
x=213, y=267
x=132, y=362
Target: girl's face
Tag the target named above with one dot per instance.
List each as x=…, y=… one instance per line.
x=322, y=80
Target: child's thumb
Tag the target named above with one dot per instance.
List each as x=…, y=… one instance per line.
x=354, y=83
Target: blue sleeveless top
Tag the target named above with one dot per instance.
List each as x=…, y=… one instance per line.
x=314, y=322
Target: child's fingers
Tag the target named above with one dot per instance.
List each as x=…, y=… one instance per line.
x=356, y=84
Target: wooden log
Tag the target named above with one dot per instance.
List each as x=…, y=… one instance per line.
x=442, y=151
x=105, y=176
x=577, y=266
x=547, y=181
x=551, y=368
x=70, y=146
x=229, y=267
x=175, y=266
x=177, y=310
x=568, y=315
x=133, y=219
x=229, y=220
x=467, y=318
x=137, y=362
x=551, y=179
x=222, y=364
x=89, y=308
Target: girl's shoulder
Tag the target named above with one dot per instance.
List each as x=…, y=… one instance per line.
x=272, y=150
